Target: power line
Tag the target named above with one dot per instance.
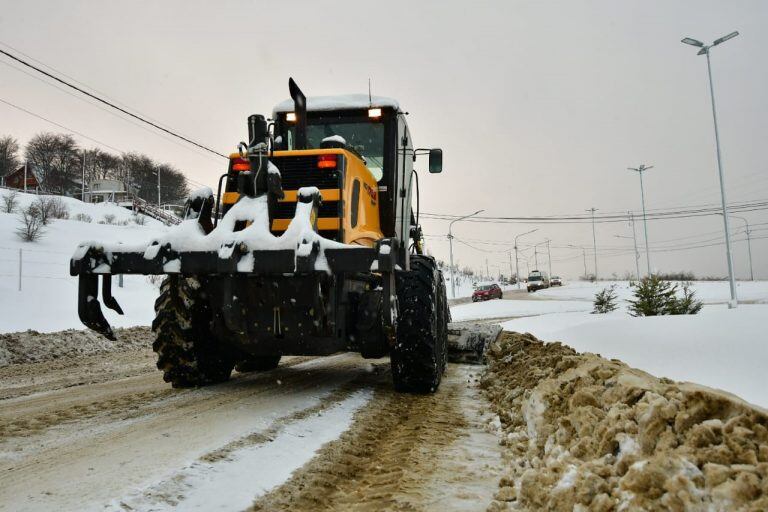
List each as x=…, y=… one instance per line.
x=103, y=109
x=758, y=205
x=110, y=104
x=113, y=148
x=22, y=109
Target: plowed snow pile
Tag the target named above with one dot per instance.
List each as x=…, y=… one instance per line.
x=34, y=347
x=585, y=433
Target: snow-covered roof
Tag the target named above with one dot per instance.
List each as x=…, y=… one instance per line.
x=343, y=102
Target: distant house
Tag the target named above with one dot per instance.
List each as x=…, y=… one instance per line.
x=108, y=191
x=15, y=179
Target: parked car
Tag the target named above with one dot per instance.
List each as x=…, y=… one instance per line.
x=537, y=281
x=555, y=281
x=487, y=292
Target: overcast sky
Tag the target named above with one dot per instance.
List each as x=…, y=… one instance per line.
x=539, y=106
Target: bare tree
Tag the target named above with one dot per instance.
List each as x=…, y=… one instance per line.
x=9, y=160
x=10, y=201
x=44, y=206
x=58, y=208
x=55, y=158
x=31, y=229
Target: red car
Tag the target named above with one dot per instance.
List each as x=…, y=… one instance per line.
x=487, y=292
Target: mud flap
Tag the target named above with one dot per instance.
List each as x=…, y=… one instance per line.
x=88, y=306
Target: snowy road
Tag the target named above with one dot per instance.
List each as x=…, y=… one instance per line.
x=105, y=432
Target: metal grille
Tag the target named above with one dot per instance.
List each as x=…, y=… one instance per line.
x=302, y=171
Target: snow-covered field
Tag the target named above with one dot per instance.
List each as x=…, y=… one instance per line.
x=709, y=292
x=48, y=297
x=720, y=348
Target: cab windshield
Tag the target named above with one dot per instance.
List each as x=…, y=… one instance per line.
x=534, y=278
x=366, y=138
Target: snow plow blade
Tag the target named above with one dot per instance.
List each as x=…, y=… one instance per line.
x=467, y=342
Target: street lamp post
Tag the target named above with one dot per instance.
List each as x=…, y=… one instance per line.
x=158, y=189
x=705, y=51
x=517, y=268
x=639, y=170
x=450, y=247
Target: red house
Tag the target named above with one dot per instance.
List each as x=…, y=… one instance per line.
x=15, y=179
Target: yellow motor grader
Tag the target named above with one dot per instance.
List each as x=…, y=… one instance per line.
x=309, y=247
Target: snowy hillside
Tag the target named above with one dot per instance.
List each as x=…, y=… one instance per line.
x=48, y=297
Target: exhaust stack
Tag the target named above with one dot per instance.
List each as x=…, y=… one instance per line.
x=300, y=107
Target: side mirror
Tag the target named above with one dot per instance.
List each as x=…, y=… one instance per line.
x=435, y=161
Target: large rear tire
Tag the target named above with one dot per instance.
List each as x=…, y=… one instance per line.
x=187, y=351
x=419, y=355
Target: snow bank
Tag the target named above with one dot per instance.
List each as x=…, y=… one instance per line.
x=585, y=433
x=720, y=348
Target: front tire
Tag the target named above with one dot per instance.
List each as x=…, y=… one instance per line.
x=419, y=355
x=187, y=351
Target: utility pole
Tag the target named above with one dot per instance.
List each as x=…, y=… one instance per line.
x=634, y=237
x=594, y=237
x=749, y=249
x=450, y=246
x=639, y=170
x=487, y=272
x=82, y=188
x=705, y=51
x=549, y=258
x=584, y=254
x=25, y=176
x=517, y=269
x=536, y=256
x=158, y=189
x=749, y=245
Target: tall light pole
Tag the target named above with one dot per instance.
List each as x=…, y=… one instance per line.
x=594, y=237
x=450, y=246
x=158, y=189
x=517, y=268
x=749, y=245
x=640, y=170
x=705, y=51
